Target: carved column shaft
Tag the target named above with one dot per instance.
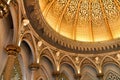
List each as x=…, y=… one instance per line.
x=12, y=52
x=9, y=67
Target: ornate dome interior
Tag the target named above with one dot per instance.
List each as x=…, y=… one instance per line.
x=83, y=20
x=59, y=39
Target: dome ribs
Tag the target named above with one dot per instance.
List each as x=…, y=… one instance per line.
x=106, y=19
x=76, y=20
x=46, y=10
x=116, y=3
x=90, y=20
x=58, y=25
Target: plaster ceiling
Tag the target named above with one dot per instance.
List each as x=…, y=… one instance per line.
x=83, y=20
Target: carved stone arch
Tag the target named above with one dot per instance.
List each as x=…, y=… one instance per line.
x=48, y=66
x=49, y=54
x=88, y=62
x=68, y=60
x=68, y=70
x=111, y=67
x=29, y=47
x=28, y=38
x=109, y=60
x=50, y=59
x=32, y=41
x=41, y=51
x=111, y=75
x=89, y=69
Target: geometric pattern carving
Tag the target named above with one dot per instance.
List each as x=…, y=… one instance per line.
x=110, y=10
x=70, y=12
x=112, y=76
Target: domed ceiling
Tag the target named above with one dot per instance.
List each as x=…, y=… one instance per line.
x=83, y=20
x=77, y=26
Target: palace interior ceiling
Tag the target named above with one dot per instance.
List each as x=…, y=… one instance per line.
x=80, y=26
x=83, y=20
x=68, y=39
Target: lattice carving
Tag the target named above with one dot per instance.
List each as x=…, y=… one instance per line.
x=112, y=76
x=58, y=6
x=71, y=10
x=111, y=10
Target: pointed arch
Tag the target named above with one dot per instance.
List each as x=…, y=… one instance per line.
x=109, y=59
x=46, y=52
x=69, y=62
x=31, y=46
x=25, y=46
x=32, y=43
x=88, y=61
x=110, y=66
x=89, y=69
x=68, y=70
x=47, y=66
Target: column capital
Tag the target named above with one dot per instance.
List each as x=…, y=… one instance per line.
x=12, y=49
x=100, y=75
x=34, y=66
x=77, y=76
x=56, y=73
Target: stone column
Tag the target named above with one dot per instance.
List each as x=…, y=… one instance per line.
x=56, y=74
x=12, y=51
x=34, y=67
